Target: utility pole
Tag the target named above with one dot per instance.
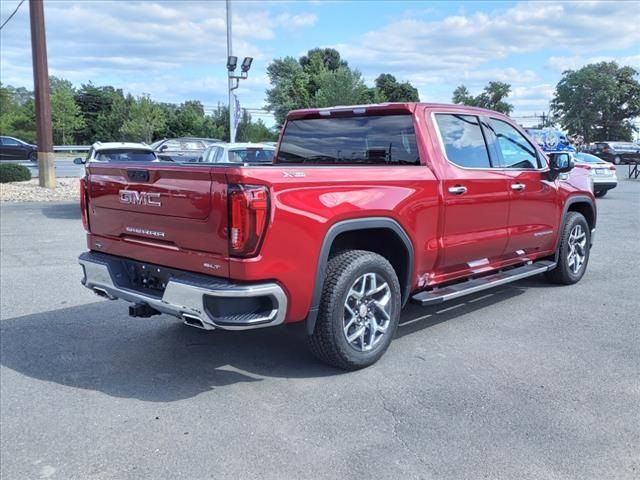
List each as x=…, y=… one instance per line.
x=46, y=167
x=232, y=103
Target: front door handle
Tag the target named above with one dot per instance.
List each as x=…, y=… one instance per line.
x=458, y=190
x=518, y=187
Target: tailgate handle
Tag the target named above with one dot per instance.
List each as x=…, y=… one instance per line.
x=138, y=175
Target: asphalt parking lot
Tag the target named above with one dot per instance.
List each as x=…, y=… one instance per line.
x=530, y=381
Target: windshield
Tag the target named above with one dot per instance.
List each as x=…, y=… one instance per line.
x=121, y=155
x=251, y=155
x=387, y=139
x=587, y=158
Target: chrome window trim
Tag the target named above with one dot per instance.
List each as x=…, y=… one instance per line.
x=490, y=169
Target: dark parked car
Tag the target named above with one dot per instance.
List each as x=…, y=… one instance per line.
x=617, y=152
x=15, y=149
x=185, y=149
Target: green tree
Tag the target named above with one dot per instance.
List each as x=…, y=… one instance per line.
x=17, y=113
x=492, y=97
x=598, y=101
x=322, y=78
x=66, y=117
x=146, y=119
x=249, y=131
x=289, y=87
x=390, y=90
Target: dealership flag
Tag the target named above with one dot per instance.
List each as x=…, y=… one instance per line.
x=237, y=112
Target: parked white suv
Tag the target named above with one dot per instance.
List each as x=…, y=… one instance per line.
x=119, y=152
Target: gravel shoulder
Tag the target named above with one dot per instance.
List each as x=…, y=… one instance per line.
x=30, y=191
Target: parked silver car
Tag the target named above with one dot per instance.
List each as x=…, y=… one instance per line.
x=603, y=173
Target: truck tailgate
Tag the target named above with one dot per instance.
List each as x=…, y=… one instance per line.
x=165, y=208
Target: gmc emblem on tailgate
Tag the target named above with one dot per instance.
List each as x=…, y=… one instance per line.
x=132, y=197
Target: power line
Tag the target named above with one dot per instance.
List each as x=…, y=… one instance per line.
x=12, y=14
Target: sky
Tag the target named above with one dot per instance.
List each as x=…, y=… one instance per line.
x=176, y=50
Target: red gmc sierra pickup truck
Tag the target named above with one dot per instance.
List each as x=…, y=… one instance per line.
x=364, y=209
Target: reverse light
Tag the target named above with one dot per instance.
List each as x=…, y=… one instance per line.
x=248, y=218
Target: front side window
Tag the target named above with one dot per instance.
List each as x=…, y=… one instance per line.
x=379, y=140
x=463, y=140
x=517, y=152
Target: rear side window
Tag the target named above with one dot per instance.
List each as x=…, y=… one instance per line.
x=515, y=149
x=464, y=143
x=384, y=139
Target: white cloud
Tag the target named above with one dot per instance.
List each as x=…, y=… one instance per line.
x=457, y=46
x=560, y=64
x=296, y=21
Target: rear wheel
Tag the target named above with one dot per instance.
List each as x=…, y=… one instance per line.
x=573, y=251
x=617, y=160
x=600, y=193
x=359, y=310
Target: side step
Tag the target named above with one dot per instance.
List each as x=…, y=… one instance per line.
x=440, y=295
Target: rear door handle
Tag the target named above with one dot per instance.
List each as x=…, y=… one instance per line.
x=458, y=190
x=518, y=187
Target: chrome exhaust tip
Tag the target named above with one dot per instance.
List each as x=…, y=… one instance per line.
x=194, y=321
x=101, y=292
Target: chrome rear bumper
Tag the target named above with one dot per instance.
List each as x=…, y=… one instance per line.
x=199, y=300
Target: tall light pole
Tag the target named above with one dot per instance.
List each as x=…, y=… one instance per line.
x=232, y=127
x=46, y=166
x=234, y=80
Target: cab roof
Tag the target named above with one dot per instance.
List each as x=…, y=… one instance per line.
x=385, y=108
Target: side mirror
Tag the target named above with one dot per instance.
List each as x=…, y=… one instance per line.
x=163, y=148
x=561, y=163
x=78, y=161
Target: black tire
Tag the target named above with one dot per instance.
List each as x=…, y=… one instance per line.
x=33, y=156
x=600, y=193
x=328, y=341
x=617, y=160
x=564, y=274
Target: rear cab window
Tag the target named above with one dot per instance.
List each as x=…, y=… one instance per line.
x=377, y=140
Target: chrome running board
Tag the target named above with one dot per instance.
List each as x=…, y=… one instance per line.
x=467, y=287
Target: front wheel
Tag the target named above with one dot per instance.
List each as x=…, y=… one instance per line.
x=359, y=310
x=600, y=193
x=33, y=156
x=573, y=251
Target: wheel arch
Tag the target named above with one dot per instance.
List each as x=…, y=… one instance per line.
x=396, y=247
x=582, y=204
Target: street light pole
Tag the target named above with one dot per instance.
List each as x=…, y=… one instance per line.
x=232, y=104
x=46, y=167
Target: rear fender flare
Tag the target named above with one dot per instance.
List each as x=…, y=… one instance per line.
x=351, y=225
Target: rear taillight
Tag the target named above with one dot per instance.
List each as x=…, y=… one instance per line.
x=248, y=218
x=612, y=167
x=583, y=166
x=84, y=204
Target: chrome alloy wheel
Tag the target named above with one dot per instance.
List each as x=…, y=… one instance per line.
x=577, y=249
x=367, y=312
